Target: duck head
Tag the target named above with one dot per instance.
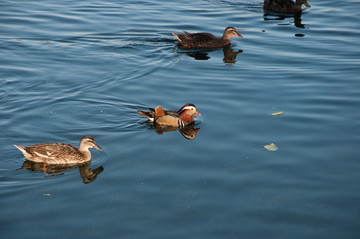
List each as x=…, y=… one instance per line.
x=231, y=31
x=301, y=2
x=190, y=108
x=88, y=142
x=186, y=113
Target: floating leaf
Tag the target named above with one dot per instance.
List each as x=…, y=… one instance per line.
x=278, y=113
x=271, y=147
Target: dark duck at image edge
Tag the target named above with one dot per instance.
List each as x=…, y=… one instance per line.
x=205, y=40
x=284, y=6
x=168, y=118
x=59, y=153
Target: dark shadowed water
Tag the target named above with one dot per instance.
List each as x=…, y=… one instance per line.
x=75, y=68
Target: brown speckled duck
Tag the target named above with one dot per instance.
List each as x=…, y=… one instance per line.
x=284, y=6
x=180, y=119
x=205, y=40
x=59, y=153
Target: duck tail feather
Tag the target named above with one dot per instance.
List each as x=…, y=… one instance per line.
x=19, y=147
x=176, y=36
x=149, y=115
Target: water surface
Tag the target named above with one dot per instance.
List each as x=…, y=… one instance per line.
x=75, y=68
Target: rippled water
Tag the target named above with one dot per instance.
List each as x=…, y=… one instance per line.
x=75, y=68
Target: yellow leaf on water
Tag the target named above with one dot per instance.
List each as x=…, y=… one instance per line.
x=271, y=147
x=278, y=113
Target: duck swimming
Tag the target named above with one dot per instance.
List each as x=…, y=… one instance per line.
x=59, y=153
x=180, y=119
x=284, y=6
x=205, y=40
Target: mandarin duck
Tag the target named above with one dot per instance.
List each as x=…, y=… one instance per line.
x=59, y=153
x=205, y=40
x=284, y=6
x=179, y=119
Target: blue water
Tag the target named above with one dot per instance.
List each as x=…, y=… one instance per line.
x=75, y=68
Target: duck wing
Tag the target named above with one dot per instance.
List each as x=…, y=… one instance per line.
x=51, y=150
x=168, y=120
x=198, y=38
x=151, y=114
x=171, y=112
x=281, y=6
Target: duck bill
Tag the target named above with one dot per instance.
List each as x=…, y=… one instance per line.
x=98, y=147
x=197, y=113
x=306, y=4
x=238, y=35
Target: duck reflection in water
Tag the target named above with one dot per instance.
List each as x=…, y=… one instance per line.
x=277, y=17
x=61, y=156
x=168, y=120
x=189, y=132
x=51, y=170
x=229, y=54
